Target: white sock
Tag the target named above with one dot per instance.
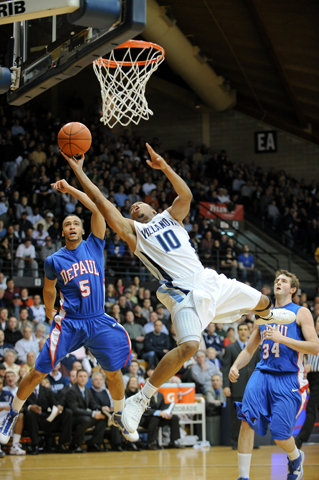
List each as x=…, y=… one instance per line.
x=16, y=439
x=244, y=460
x=118, y=405
x=294, y=455
x=17, y=404
x=149, y=390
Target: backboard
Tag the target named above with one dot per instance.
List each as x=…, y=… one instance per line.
x=45, y=51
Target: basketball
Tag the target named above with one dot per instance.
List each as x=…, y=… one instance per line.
x=74, y=139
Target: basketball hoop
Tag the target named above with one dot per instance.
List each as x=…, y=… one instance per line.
x=123, y=81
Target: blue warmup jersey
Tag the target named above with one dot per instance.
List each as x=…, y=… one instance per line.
x=276, y=391
x=277, y=358
x=82, y=320
x=80, y=278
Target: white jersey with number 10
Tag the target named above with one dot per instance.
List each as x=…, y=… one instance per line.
x=164, y=247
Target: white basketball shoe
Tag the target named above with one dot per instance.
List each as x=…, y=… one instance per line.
x=134, y=408
x=281, y=316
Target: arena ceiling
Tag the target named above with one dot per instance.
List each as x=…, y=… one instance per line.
x=268, y=50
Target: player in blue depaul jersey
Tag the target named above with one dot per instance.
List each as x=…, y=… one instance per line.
x=77, y=270
x=277, y=390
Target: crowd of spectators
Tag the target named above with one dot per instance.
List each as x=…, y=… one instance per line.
x=78, y=397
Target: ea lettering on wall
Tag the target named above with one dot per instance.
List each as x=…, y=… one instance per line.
x=266, y=141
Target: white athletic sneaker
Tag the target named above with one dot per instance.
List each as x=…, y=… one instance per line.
x=117, y=422
x=281, y=316
x=134, y=408
x=17, y=450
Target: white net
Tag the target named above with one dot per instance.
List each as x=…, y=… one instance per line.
x=123, y=81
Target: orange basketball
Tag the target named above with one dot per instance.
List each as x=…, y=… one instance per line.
x=74, y=139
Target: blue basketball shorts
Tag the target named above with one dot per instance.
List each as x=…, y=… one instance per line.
x=106, y=339
x=274, y=400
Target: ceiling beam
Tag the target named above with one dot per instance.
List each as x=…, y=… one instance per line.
x=263, y=29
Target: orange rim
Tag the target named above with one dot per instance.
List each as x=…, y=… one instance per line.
x=132, y=44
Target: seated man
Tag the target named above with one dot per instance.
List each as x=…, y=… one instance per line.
x=26, y=344
x=212, y=339
x=215, y=400
x=156, y=417
x=31, y=358
x=37, y=409
x=202, y=371
x=156, y=344
x=57, y=381
x=104, y=400
x=86, y=413
x=6, y=398
x=135, y=331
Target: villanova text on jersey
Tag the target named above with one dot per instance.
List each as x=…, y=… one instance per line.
x=80, y=278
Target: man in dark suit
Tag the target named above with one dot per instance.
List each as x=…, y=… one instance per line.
x=155, y=417
x=37, y=409
x=86, y=413
x=104, y=400
x=156, y=344
x=236, y=390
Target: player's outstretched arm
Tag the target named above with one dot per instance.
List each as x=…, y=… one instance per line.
x=310, y=344
x=245, y=355
x=124, y=227
x=181, y=204
x=97, y=221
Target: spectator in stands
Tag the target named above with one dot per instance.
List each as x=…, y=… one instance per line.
x=25, y=320
x=26, y=300
x=10, y=290
x=131, y=387
x=110, y=297
x=3, y=301
x=37, y=409
x=156, y=343
x=150, y=326
x=229, y=264
x=133, y=371
x=5, y=255
x=147, y=309
x=135, y=331
x=212, y=339
x=102, y=397
x=10, y=382
x=40, y=332
x=39, y=235
x=6, y=398
x=115, y=313
x=26, y=344
x=12, y=333
x=220, y=330
x=208, y=241
x=38, y=310
x=3, y=318
x=202, y=371
x=25, y=257
x=47, y=249
x=23, y=207
x=24, y=223
x=56, y=379
x=236, y=390
x=86, y=413
x=115, y=253
x=138, y=317
x=31, y=358
x=3, y=345
x=211, y=354
x=156, y=416
x=246, y=265
x=148, y=186
x=215, y=400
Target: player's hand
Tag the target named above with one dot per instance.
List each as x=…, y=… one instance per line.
x=74, y=162
x=233, y=374
x=61, y=185
x=156, y=162
x=51, y=314
x=99, y=415
x=227, y=392
x=273, y=333
x=36, y=409
x=165, y=415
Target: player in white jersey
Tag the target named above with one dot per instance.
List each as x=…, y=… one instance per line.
x=194, y=295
